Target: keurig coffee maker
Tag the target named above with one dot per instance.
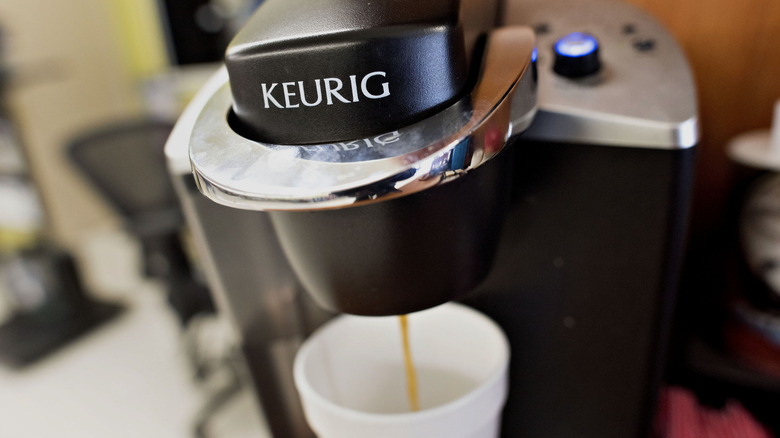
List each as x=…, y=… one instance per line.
x=531, y=159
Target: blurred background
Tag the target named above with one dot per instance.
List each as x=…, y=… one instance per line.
x=96, y=266
x=106, y=328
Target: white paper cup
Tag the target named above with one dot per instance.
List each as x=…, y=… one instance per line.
x=351, y=378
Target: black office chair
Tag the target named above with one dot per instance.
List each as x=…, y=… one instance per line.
x=126, y=163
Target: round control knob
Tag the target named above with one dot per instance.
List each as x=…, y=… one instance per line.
x=576, y=55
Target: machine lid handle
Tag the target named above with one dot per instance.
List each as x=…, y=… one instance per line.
x=312, y=72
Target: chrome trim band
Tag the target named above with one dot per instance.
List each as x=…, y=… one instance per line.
x=241, y=173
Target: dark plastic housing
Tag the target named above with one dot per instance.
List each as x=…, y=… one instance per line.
x=404, y=255
x=305, y=72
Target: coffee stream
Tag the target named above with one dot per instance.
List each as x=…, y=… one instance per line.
x=411, y=375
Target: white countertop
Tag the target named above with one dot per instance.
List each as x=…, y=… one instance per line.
x=128, y=379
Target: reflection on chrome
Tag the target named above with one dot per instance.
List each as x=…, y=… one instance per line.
x=241, y=173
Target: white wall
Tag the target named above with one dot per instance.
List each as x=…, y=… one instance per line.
x=70, y=76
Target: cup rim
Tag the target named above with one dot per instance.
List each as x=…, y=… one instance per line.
x=494, y=378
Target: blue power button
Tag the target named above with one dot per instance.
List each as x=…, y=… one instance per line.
x=576, y=55
x=576, y=44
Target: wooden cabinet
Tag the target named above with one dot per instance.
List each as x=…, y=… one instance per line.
x=734, y=50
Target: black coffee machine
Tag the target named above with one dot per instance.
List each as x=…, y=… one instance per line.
x=531, y=159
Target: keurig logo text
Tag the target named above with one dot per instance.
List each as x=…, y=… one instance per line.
x=327, y=91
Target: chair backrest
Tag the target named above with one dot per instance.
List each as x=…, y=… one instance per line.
x=126, y=162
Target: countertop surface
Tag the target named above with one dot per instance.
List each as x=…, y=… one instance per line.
x=128, y=378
